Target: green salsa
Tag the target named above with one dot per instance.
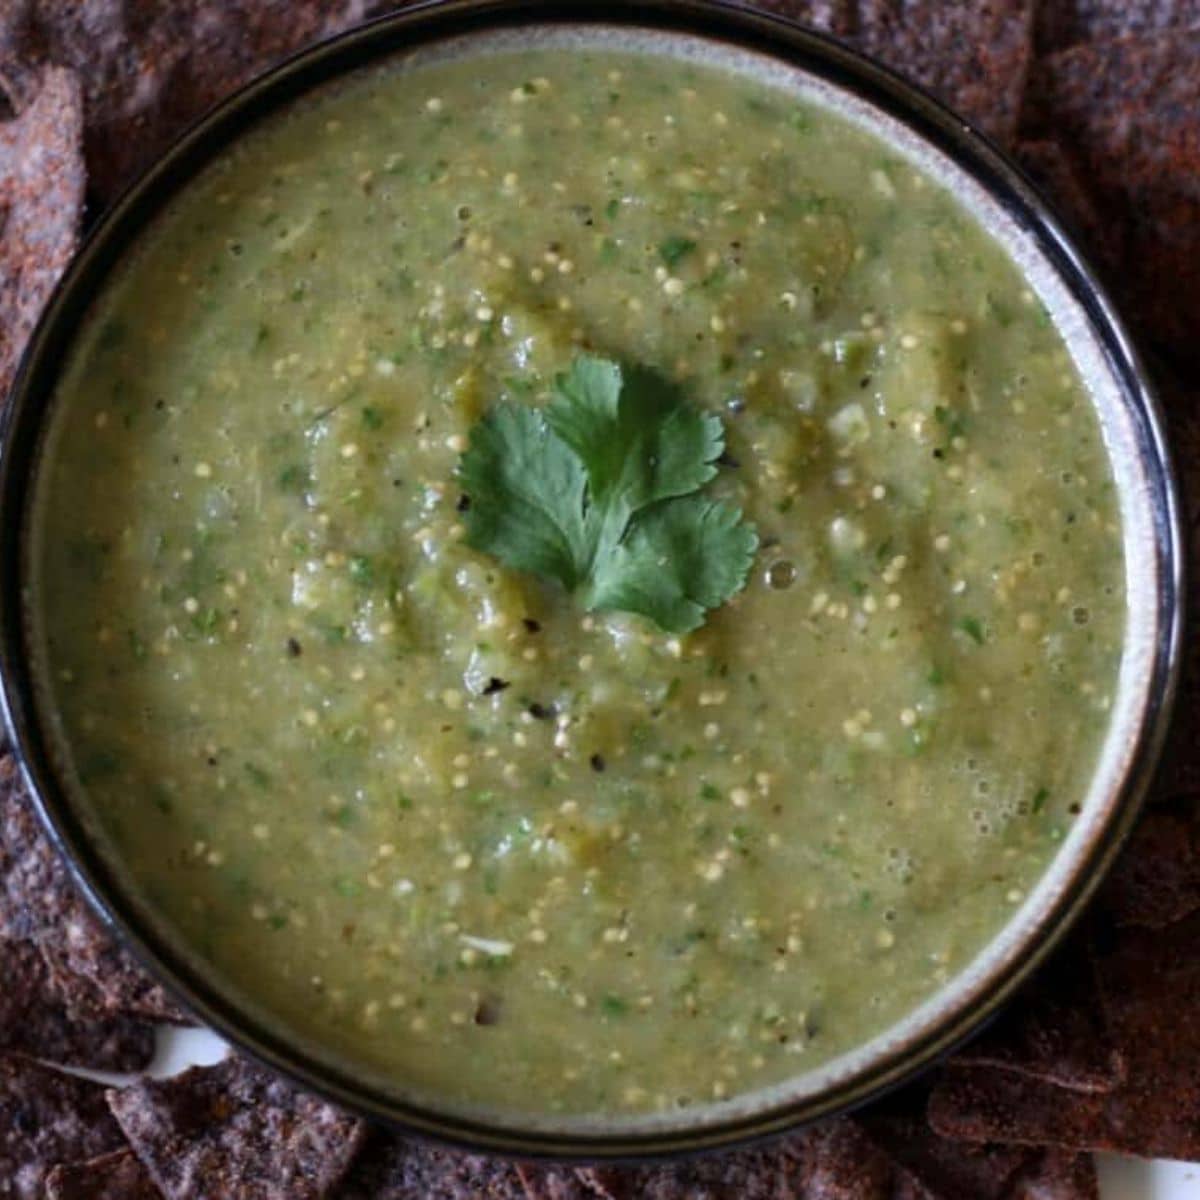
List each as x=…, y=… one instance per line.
x=426, y=809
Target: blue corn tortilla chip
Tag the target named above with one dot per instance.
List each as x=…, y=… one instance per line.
x=41, y=201
x=973, y=57
x=35, y=1019
x=1061, y=182
x=1129, y=109
x=47, y=1117
x=1065, y=23
x=150, y=68
x=394, y=1168
x=116, y=1176
x=1148, y=990
x=1054, y=1030
x=835, y=1160
x=948, y=1170
x=38, y=903
x=1156, y=881
x=238, y=1132
x=553, y=1183
x=827, y=16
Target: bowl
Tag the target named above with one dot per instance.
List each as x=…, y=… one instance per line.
x=1001, y=199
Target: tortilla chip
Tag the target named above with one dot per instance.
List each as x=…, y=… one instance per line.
x=553, y=1183
x=1059, y=180
x=31, y=878
x=35, y=1020
x=150, y=69
x=842, y=1162
x=47, y=1117
x=117, y=981
x=1130, y=111
x=827, y=16
x=835, y=1160
x=741, y=1175
x=973, y=57
x=395, y=1168
x=237, y=1132
x=117, y=1176
x=1156, y=881
x=1149, y=987
x=38, y=903
x=1065, y=23
x=1058, y=1175
x=1054, y=1030
x=41, y=199
x=948, y=1170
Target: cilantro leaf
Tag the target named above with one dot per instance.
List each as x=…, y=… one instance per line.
x=639, y=439
x=527, y=490
x=599, y=490
x=679, y=559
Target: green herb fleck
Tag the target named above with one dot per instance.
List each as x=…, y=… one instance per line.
x=293, y=478
x=972, y=627
x=257, y=776
x=674, y=249
x=361, y=570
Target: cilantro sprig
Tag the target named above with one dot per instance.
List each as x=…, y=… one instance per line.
x=601, y=491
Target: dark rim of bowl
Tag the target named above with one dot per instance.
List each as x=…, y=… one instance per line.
x=118, y=228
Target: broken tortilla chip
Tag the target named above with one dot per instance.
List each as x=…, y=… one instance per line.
x=116, y=1176
x=834, y=1160
x=1054, y=1030
x=545, y=1182
x=39, y=903
x=400, y=1167
x=1059, y=180
x=1129, y=108
x=949, y=1170
x=237, y=1132
x=150, y=70
x=1148, y=989
x=47, y=1117
x=35, y=1020
x=1065, y=23
x=826, y=16
x=1156, y=881
x=41, y=200
x=973, y=57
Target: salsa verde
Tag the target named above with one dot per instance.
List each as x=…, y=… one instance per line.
x=428, y=811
